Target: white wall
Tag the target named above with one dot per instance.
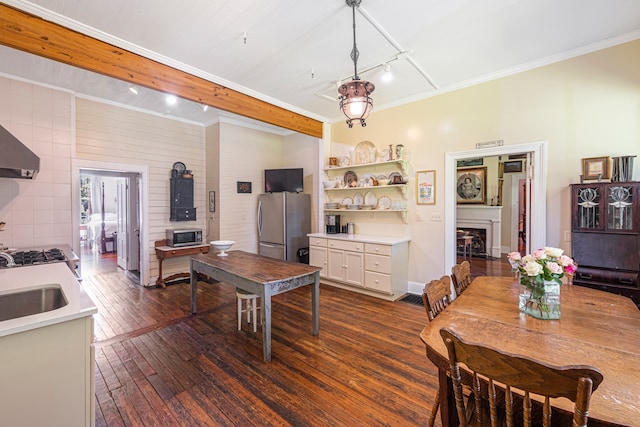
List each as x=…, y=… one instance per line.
x=38, y=211
x=108, y=133
x=242, y=154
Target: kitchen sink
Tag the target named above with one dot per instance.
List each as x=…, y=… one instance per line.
x=33, y=301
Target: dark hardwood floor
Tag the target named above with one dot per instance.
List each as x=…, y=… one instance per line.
x=158, y=365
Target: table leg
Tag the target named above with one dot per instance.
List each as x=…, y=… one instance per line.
x=194, y=289
x=265, y=302
x=315, y=304
x=159, y=280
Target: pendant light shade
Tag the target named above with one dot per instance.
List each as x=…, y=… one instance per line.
x=355, y=101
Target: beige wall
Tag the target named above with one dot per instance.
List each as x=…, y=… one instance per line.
x=38, y=211
x=587, y=106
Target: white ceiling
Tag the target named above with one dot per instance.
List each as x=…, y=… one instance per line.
x=455, y=42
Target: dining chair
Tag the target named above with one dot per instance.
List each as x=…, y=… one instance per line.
x=528, y=376
x=461, y=276
x=247, y=303
x=436, y=296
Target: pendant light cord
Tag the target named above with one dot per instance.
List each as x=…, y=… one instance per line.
x=354, y=52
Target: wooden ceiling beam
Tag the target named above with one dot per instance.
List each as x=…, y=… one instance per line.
x=32, y=34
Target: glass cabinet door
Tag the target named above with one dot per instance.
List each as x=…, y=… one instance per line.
x=588, y=209
x=620, y=207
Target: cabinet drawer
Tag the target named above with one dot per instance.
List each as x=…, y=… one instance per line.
x=317, y=241
x=345, y=246
x=378, y=263
x=372, y=248
x=377, y=281
x=607, y=277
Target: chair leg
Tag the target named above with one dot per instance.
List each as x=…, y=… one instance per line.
x=239, y=314
x=434, y=409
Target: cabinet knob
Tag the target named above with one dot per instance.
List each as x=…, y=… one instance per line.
x=376, y=281
x=376, y=262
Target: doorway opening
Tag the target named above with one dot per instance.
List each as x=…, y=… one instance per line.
x=110, y=231
x=110, y=221
x=534, y=223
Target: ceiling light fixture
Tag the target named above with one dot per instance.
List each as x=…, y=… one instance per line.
x=387, y=76
x=171, y=100
x=355, y=101
x=133, y=89
x=205, y=107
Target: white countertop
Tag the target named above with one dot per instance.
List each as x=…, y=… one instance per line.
x=33, y=277
x=364, y=238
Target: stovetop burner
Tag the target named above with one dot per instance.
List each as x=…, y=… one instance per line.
x=36, y=257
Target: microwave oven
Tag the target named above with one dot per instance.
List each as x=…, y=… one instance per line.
x=177, y=237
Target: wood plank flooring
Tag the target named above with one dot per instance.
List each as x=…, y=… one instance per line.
x=158, y=365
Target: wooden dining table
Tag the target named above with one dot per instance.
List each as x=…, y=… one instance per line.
x=262, y=276
x=596, y=328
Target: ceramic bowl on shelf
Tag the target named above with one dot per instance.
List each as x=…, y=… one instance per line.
x=384, y=181
x=222, y=246
x=330, y=184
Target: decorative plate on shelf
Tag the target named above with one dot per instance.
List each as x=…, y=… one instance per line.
x=384, y=202
x=365, y=152
x=350, y=179
x=370, y=198
x=358, y=199
x=345, y=161
x=396, y=178
x=347, y=201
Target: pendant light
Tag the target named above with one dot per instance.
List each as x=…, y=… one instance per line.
x=355, y=101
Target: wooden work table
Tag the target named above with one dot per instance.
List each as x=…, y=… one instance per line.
x=163, y=251
x=596, y=328
x=262, y=276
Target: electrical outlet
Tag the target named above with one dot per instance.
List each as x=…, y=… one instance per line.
x=436, y=217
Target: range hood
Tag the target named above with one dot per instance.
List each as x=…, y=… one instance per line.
x=16, y=160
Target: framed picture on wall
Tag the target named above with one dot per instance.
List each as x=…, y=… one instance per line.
x=471, y=186
x=513, y=166
x=426, y=187
x=595, y=167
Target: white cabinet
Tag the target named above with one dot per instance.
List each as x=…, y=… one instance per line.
x=318, y=254
x=48, y=376
x=376, y=266
x=345, y=261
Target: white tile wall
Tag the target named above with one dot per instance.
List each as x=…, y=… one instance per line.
x=37, y=212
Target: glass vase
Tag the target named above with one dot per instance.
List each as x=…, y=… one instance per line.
x=544, y=307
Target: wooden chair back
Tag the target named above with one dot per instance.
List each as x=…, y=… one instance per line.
x=461, y=276
x=575, y=383
x=436, y=296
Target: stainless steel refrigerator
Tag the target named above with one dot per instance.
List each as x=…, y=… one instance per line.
x=284, y=220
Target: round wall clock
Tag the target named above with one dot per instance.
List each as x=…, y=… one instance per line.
x=179, y=166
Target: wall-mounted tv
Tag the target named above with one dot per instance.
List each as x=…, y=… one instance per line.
x=279, y=180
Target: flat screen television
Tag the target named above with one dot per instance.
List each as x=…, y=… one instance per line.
x=279, y=180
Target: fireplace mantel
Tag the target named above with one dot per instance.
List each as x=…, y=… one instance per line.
x=486, y=217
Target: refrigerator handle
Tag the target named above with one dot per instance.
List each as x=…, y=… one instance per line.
x=259, y=218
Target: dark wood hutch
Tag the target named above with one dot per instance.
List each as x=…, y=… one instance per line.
x=605, y=242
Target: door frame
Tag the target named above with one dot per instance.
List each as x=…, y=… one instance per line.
x=538, y=199
x=143, y=171
x=515, y=208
